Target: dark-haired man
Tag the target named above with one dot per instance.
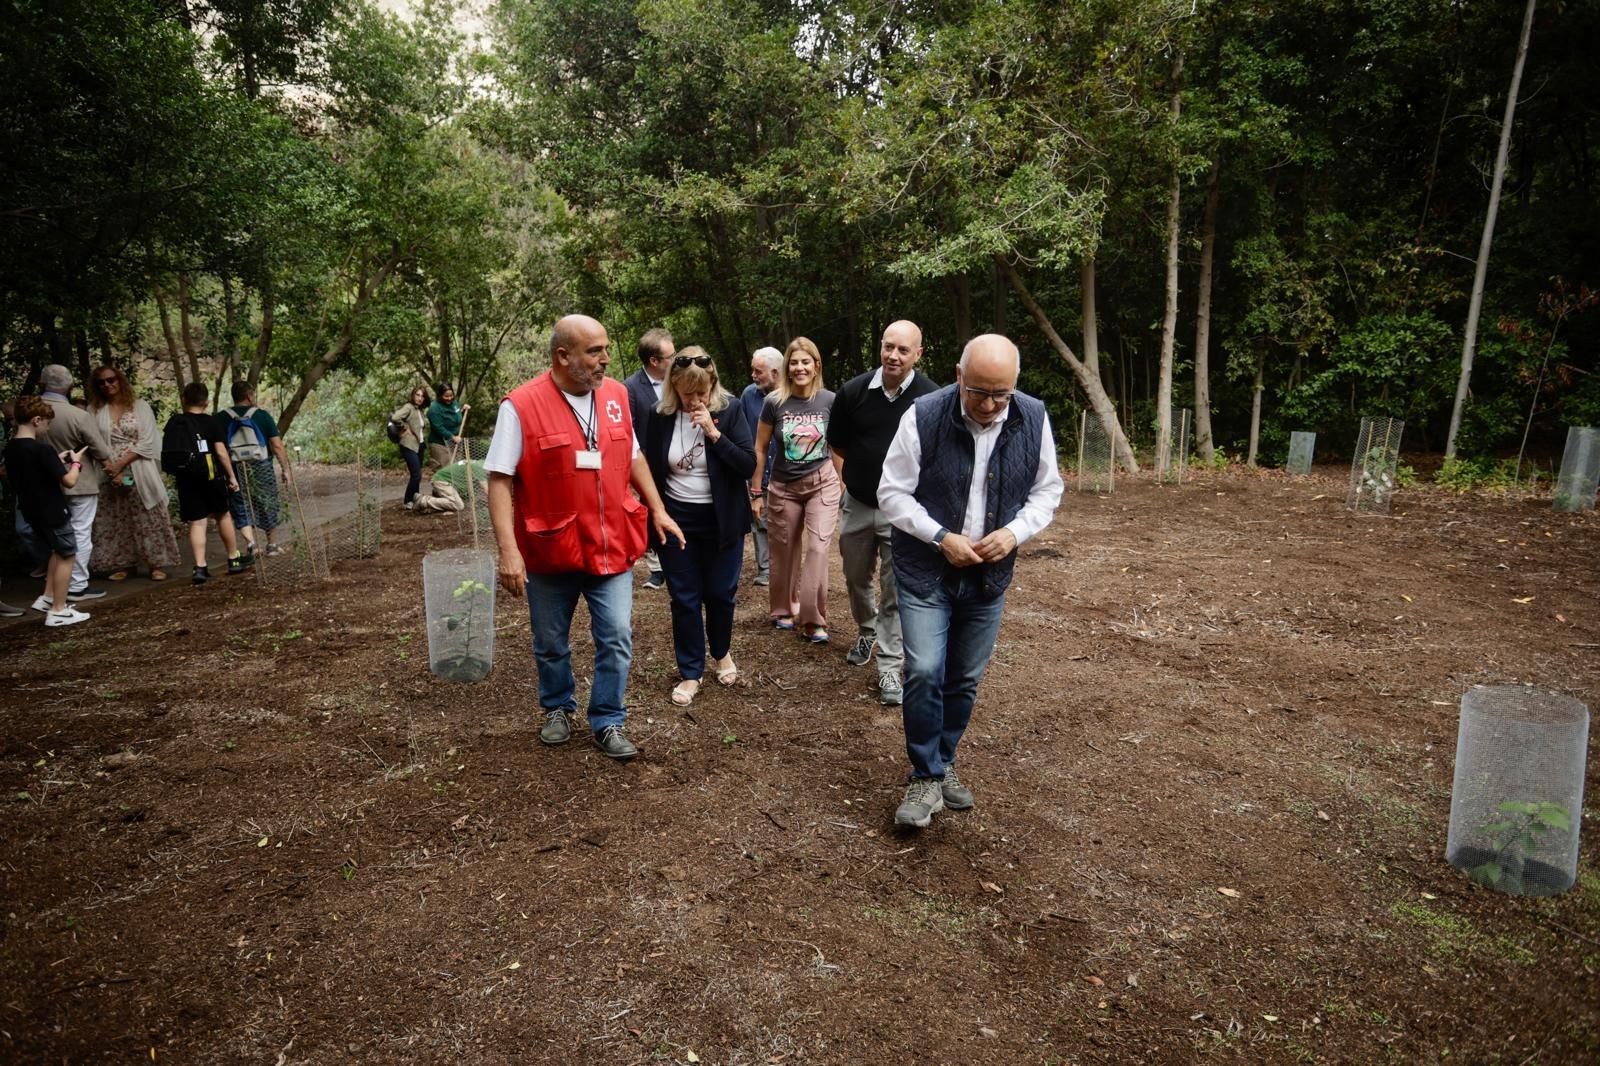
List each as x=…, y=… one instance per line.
x=644, y=385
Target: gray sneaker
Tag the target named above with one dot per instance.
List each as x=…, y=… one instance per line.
x=922, y=802
x=763, y=579
x=557, y=728
x=890, y=694
x=614, y=744
x=957, y=797
x=860, y=651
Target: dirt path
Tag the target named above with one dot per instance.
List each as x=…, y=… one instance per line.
x=322, y=852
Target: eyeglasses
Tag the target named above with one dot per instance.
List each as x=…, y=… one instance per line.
x=999, y=399
x=105, y=381
x=701, y=361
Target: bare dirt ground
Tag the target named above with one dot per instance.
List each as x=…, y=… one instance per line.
x=318, y=852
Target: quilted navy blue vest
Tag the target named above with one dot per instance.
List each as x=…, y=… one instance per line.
x=947, y=457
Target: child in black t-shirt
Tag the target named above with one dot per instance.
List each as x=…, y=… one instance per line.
x=194, y=453
x=38, y=474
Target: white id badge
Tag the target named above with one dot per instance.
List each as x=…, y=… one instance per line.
x=588, y=460
x=202, y=444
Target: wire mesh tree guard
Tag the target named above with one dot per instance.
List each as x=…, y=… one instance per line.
x=1580, y=470
x=1172, y=452
x=1097, y=468
x=1302, y=446
x=327, y=513
x=1375, y=466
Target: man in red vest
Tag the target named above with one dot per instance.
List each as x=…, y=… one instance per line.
x=565, y=524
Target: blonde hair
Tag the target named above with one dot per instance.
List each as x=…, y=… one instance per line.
x=125, y=393
x=694, y=379
x=785, y=387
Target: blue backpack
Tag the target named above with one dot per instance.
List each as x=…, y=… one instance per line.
x=245, y=442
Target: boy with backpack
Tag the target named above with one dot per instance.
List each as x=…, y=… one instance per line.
x=194, y=453
x=253, y=441
x=38, y=474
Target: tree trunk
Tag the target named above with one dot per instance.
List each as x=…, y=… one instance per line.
x=341, y=345
x=185, y=332
x=230, y=319
x=998, y=325
x=1098, y=400
x=447, y=350
x=1169, y=319
x=1469, y=345
x=80, y=342
x=1255, y=405
x=1091, y=327
x=961, y=304
x=172, y=339
x=258, y=363
x=1202, y=319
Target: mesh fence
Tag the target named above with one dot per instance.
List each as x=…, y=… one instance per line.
x=1172, y=453
x=1375, y=466
x=1302, y=446
x=1580, y=470
x=326, y=513
x=470, y=479
x=1097, y=470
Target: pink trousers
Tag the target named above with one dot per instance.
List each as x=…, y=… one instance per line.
x=801, y=517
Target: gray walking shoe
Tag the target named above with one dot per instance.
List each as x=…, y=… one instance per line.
x=557, y=728
x=860, y=651
x=614, y=744
x=922, y=802
x=957, y=797
x=890, y=694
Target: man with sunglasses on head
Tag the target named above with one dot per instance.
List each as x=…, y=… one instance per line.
x=644, y=386
x=970, y=476
x=565, y=525
x=766, y=367
x=861, y=424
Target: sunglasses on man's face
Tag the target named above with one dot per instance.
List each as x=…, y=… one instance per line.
x=701, y=361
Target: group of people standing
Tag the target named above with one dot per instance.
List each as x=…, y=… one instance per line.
x=436, y=425
x=91, y=499
x=936, y=488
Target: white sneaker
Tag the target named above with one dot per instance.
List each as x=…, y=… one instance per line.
x=42, y=604
x=69, y=617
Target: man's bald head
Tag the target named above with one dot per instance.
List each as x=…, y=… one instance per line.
x=899, y=351
x=987, y=375
x=579, y=354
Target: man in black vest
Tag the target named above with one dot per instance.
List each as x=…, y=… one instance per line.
x=644, y=386
x=861, y=424
x=971, y=474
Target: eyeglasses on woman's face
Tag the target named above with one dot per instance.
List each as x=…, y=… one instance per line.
x=701, y=361
x=104, y=382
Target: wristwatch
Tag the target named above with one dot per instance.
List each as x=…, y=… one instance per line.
x=938, y=538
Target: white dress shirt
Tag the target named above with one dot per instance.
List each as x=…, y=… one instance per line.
x=505, y=447
x=877, y=383
x=902, y=469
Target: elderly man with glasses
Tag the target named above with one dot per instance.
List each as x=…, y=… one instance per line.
x=970, y=475
x=70, y=430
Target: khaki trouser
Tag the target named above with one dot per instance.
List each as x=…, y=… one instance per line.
x=439, y=455
x=864, y=546
x=801, y=516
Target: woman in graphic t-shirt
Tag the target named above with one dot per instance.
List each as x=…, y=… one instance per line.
x=698, y=446
x=803, y=504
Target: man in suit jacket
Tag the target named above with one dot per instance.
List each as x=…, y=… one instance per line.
x=644, y=392
x=73, y=428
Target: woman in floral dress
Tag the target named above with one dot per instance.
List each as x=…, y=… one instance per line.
x=132, y=524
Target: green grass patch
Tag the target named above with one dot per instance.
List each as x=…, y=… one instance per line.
x=1452, y=938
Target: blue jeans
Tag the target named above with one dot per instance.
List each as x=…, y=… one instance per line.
x=700, y=577
x=414, y=468
x=552, y=598
x=949, y=637
x=256, y=503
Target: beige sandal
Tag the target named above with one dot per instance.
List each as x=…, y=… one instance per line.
x=727, y=672
x=683, y=693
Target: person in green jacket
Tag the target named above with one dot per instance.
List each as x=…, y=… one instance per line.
x=444, y=425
